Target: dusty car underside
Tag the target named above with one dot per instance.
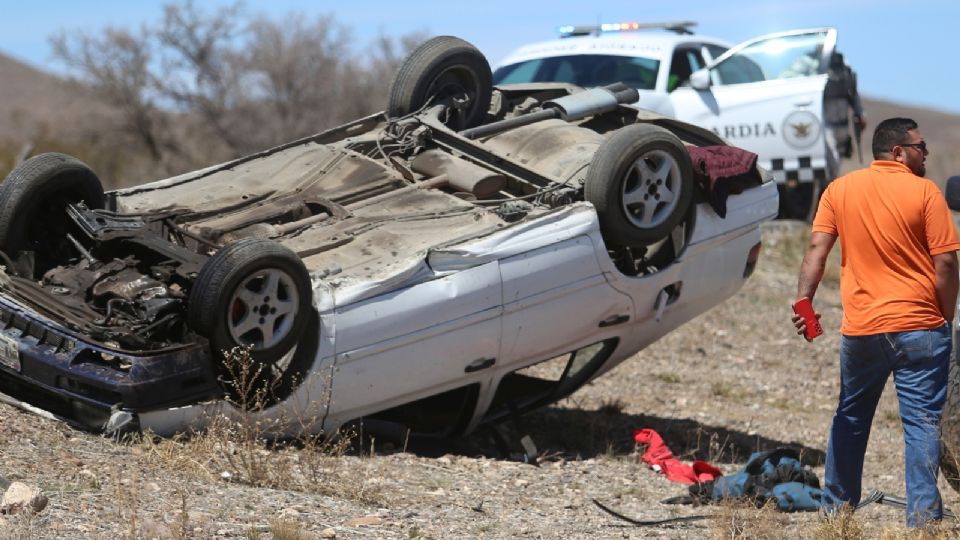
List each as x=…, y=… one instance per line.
x=146, y=285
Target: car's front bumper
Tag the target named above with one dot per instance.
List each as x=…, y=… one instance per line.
x=47, y=367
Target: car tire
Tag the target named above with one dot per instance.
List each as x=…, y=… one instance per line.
x=641, y=183
x=254, y=293
x=33, y=199
x=441, y=71
x=950, y=425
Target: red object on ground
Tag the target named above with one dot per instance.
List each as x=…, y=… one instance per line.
x=659, y=457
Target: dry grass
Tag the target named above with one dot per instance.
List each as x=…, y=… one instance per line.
x=245, y=450
x=176, y=488
x=843, y=526
x=744, y=521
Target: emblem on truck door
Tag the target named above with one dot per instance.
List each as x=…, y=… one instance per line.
x=801, y=129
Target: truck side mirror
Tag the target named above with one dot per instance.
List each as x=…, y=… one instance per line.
x=700, y=79
x=952, y=193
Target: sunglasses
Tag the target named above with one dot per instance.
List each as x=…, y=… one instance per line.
x=922, y=146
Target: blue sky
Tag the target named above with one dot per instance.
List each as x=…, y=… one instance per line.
x=902, y=50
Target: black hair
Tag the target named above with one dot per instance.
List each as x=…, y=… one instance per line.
x=889, y=133
x=836, y=60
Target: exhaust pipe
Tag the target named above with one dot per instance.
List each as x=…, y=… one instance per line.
x=568, y=108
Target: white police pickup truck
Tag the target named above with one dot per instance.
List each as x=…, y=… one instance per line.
x=765, y=95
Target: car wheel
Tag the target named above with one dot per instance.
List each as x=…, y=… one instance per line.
x=447, y=71
x=254, y=293
x=33, y=199
x=950, y=425
x=641, y=183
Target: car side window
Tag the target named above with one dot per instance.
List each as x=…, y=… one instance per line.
x=781, y=57
x=683, y=63
x=712, y=52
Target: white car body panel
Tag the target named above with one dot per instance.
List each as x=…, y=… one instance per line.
x=514, y=304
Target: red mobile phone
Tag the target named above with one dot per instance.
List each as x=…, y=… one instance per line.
x=804, y=308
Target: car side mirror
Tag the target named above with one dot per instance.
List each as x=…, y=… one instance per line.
x=700, y=79
x=952, y=193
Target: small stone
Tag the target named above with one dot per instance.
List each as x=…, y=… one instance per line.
x=288, y=513
x=329, y=532
x=89, y=478
x=362, y=521
x=198, y=517
x=22, y=497
x=150, y=528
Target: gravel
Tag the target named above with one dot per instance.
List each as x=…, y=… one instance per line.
x=735, y=380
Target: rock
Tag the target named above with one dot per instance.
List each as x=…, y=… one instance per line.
x=89, y=478
x=22, y=497
x=288, y=513
x=150, y=528
x=329, y=532
x=361, y=521
x=196, y=517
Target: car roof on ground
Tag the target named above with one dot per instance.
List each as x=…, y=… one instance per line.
x=645, y=43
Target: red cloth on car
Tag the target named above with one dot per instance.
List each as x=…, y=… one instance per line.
x=659, y=457
x=722, y=171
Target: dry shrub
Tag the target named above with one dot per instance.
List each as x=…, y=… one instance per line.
x=242, y=448
x=934, y=531
x=284, y=529
x=842, y=526
x=21, y=526
x=740, y=520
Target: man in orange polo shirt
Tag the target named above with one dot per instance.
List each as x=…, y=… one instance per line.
x=898, y=284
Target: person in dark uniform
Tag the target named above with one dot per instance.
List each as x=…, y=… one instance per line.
x=839, y=97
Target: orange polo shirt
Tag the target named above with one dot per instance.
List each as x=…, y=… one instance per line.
x=890, y=222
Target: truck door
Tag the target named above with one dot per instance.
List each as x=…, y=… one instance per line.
x=766, y=95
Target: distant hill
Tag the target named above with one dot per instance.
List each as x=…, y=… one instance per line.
x=940, y=129
x=35, y=106
x=33, y=102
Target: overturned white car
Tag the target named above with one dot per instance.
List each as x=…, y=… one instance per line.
x=408, y=267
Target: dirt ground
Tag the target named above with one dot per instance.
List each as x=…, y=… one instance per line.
x=735, y=380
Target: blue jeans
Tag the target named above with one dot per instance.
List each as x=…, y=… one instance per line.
x=919, y=361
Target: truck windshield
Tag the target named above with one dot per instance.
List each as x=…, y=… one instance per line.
x=587, y=70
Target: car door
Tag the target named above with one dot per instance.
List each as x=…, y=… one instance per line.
x=417, y=341
x=766, y=95
x=556, y=299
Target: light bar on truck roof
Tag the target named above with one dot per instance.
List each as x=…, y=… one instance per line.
x=569, y=30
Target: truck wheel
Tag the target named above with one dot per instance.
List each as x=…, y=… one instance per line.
x=33, y=200
x=443, y=71
x=950, y=425
x=256, y=294
x=641, y=183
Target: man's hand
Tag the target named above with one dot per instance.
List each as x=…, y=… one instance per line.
x=801, y=324
x=860, y=121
